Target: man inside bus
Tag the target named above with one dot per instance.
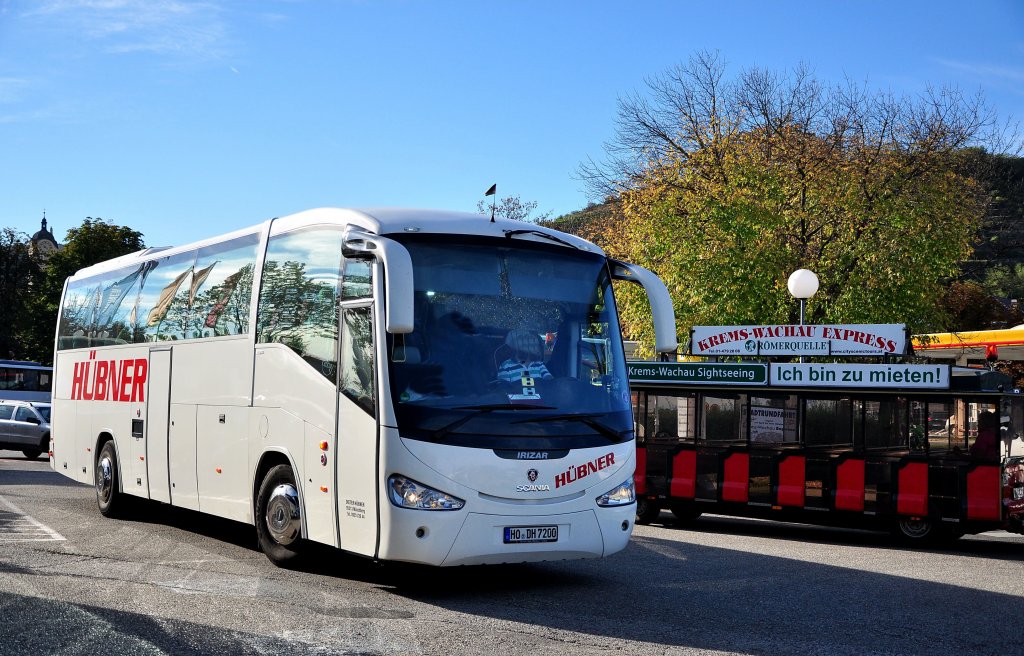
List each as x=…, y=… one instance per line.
x=527, y=357
x=986, y=444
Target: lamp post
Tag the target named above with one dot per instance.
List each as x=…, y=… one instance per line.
x=803, y=283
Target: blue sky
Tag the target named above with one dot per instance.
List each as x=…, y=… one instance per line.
x=188, y=118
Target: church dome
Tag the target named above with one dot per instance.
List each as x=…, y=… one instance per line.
x=44, y=234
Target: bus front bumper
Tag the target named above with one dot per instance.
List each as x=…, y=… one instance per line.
x=481, y=538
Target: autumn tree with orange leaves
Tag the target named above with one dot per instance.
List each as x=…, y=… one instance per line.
x=723, y=187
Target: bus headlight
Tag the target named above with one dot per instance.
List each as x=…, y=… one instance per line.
x=407, y=493
x=619, y=495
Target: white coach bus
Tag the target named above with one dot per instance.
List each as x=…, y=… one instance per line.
x=406, y=385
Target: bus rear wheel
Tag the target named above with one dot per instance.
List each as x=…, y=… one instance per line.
x=279, y=517
x=108, y=482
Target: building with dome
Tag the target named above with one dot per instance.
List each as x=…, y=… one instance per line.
x=43, y=244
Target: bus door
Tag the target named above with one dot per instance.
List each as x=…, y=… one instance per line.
x=356, y=455
x=150, y=440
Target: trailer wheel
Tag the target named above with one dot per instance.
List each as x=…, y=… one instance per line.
x=647, y=510
x=916, y=530
x=278, y=517
x=108, y=481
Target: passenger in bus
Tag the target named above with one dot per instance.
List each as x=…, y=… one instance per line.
x=986, y=444
x=527, y=359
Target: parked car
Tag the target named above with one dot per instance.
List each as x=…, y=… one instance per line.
x=25, y=427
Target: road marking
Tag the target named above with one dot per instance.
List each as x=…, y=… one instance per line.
x=18, y=526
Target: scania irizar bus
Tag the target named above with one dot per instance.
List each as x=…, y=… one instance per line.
x=419, y=386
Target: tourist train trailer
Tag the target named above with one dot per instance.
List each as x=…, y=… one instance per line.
x=925, y=450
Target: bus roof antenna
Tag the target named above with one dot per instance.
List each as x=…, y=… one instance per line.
x=492, y=192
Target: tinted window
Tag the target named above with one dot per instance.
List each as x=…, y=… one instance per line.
x=885, y=424
x=163, y=312
x=670, y=418
x=6, y=411
x=722, y=418
x=221, y=289
x=298, y=303
x=828, y=422
x=24, y=414
x=358, y=280
x=357, y=358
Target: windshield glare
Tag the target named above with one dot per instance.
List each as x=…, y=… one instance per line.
x=513, y=346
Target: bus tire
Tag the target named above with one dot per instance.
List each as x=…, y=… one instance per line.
x=278, y=517
x=684, y=511
x=647, y=510
x=108, y=481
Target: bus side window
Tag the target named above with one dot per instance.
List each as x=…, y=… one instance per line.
x=298, y=304
x=357, y=371
x=163, y=312
x=222, y=287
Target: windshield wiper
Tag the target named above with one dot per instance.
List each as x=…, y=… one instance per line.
x=481, y=410
x=587, y=418
x=540, y=233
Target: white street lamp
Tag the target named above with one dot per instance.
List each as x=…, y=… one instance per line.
x=803, y=283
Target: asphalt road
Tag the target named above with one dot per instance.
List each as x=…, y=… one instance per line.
x=169, y=581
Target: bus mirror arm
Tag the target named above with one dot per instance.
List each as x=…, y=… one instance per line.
x=665, y=340
x=398, y=281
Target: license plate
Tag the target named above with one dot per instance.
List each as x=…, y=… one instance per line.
x=1018, y=493
x=522, y=534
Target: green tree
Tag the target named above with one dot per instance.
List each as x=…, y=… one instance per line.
x=727, y=186
x=19, y=275
x=90, y=243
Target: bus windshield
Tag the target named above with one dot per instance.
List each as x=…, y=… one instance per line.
x=515, y=345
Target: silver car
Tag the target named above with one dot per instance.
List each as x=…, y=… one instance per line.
x=25, y=427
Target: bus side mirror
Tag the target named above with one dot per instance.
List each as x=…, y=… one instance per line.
x=398, y=280
x=664, y=315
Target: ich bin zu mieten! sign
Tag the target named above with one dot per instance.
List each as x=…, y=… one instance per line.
x=850, y=340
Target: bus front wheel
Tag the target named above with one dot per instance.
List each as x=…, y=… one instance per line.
x=278, y=517
x=108, y=481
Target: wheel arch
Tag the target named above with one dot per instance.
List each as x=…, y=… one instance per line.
x=102, y=438
x=268, y=460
